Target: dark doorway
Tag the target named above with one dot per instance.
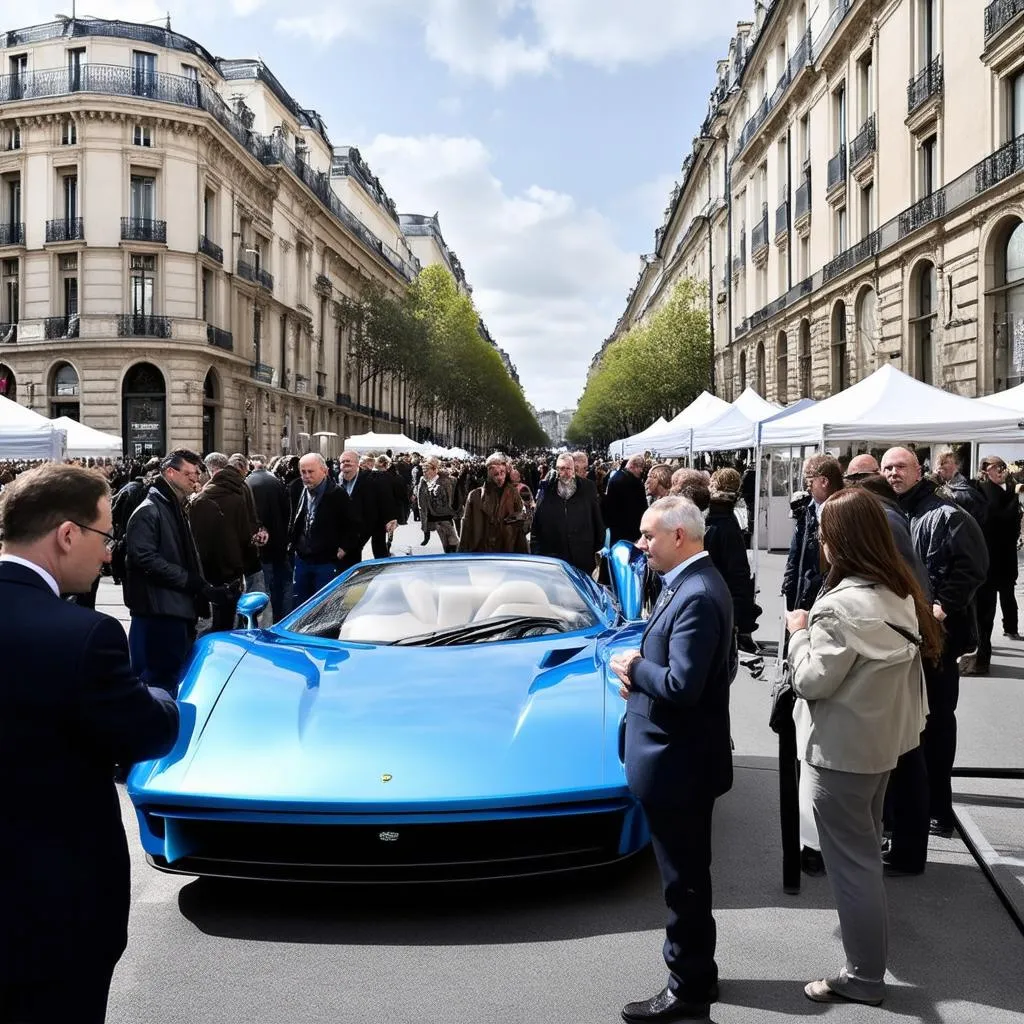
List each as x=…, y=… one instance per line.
x=143, y=407
x=210, y=402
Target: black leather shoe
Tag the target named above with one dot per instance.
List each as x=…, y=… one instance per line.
x=1012, y=636
x=811, y=862
x=891, y=870
x=941, y=828
x=665, y=1007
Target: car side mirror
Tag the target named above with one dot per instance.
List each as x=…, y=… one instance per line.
x=250, y=605
x=626, y=566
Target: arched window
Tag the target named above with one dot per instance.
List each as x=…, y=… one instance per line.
x=923, y=312
x=64, y=392
x=143, y=411
x=805, y=358
x=781, y=369
x=760, y=377
x=866, y=316
x=840, y=352
x=743, y=370
x=1009, y=306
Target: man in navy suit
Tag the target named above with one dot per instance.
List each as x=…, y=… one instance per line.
x=70, y=709
x=678, y=751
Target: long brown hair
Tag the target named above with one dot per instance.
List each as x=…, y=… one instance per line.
x=854, y=526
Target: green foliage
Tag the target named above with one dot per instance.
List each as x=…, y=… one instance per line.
x=430, y=339
x=655, y=369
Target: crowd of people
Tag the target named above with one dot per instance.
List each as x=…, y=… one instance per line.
x=890, y=589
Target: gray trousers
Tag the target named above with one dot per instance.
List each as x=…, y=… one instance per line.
x=848, y=813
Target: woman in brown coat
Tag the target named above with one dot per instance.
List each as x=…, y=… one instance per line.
x=495, y=518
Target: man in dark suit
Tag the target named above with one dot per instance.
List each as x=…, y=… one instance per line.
x=373, y=507
x=70, y=709
x=625, y=501
x=678, y=752
x=274, y=513
x=324, y=533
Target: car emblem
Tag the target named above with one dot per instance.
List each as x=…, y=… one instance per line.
x=386, y=778
x=388, y=837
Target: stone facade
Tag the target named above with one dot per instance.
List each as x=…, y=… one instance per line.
x=178, y=230
x=856, y=197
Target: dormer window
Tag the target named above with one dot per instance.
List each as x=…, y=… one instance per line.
x=68, y=132
x=142, y=136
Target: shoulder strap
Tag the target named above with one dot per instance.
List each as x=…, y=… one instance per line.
x=905, y=633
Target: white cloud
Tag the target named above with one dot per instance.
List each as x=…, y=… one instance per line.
x=547, y=275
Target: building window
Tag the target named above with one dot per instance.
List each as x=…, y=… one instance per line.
x=743, y=371
x=190, y=71
x=922, y=323
x=142, y=135
x=805, y=145
x=18, y=66
x=206, y=297
x=12, y=304
x=69, y=194
x=143, y=283
x=143, y=198
x=760, y=371
x=12, y=138
x=1009, y=353
x=781, y=368
x=1016, y=111
x=804, y=258
x=14, y=200
x=928, y=164
x=76, y=60
x=805, y=359
x=64, y=391
x=840, y=351
x=928, y=26
x=69, y=282
x=867, y=210
x=866, y=85
x=68, y=132
x=143, y=73
x=840, y=230
x=839, y=116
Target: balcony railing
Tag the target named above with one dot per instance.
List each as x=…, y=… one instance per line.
x=263, y=373
x=923, y=212
x=65, y=230
x=301, y=384
x=782, y=218
x=142, y=325
x=116, y=80
x=255, y=274
x=864, y=249
x=66, y=326
x=925, y=85
x=12, y=234
x=211, y=249
x=999, y=14
x=142, y=229
x=802, y=201
x=343, y=399
x=864, y=143
x=264, y=279
x=219, y=338
x=1007, y=160
x=759, y=233
x=322, y=285
x=837, y=169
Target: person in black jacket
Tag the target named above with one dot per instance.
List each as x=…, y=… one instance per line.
x=70, y=709
x=324, y=532
x=725, y=543
x=1001, y=528
x=394, y=494
x=625, y=501
x=373, y=507
x=952, y=547
x=125, y=502
x=164, y=588
x=274, y=514
x=567, y=522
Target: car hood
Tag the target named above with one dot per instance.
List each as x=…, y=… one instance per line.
x=308, y=725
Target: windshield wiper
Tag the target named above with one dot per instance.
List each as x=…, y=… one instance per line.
x=473, y=631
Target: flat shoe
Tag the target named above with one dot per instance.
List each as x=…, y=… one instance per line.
x=819, y=992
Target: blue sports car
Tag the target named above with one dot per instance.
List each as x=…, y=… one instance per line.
x=419, y=719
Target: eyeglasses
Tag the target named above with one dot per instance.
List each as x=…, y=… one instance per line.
x=111, y=540
x=997, y=467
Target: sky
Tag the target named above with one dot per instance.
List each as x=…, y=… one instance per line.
x=546, y=134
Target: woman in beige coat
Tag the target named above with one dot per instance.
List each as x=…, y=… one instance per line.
x=856, y=669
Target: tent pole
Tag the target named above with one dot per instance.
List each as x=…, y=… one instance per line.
x=755, y=513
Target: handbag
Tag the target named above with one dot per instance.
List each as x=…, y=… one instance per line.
x=783, y=698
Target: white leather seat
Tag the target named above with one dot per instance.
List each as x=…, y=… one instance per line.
x=515, y=592
x=370, y=628
x=457, y=604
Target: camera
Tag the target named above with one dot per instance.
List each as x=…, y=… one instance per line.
x=799, y=501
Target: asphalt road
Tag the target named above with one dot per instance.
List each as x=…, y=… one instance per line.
x=567, y=950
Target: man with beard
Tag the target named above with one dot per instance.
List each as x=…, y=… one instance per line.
x=567, y=523
x=952, y=547
x=495, y=517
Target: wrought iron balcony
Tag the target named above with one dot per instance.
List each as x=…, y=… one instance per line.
x=322, y=286
x=759, y=234
x=802, y=201
x=925, y=85
x=69, y=229
x=142, y=229
x=849, y=258
x=923, y=212
x=263, y=373
x=219, y=338
x=12, y=234
x=837, y=169
x=143, y=325
x=255, y=274
x=782, y=218
x=8, y=334
x=301, y=384
x=999, y=14
x=211, y=249
x=66, y=326
x=865, y=142
x=1006, y=160
x=343, y=399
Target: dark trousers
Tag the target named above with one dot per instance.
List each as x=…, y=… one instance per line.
x=681, y=840
x=985, y=601
x=159, y=646
x=310, y=577
x=379, y=542
x=278, y=579
x=789, y=805
x=223, y=614
x=907, y=808
x=939, y=738
x=78, y=997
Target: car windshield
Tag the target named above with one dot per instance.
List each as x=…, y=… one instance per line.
x=452, y=600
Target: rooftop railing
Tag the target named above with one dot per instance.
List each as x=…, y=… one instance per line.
x=999, y=14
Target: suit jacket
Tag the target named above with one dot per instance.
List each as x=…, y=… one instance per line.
x=623, y=506
x=70, y=709
x=372, y=503
x=273, y=511
x=334, y=526
x=678, y=748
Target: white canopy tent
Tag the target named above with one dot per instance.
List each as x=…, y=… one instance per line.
x=379, y=443
x=674, y=437
x=25, y=434
x=633, y=445
x=1013, y=398
x=736, y=428
x=87, y=442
